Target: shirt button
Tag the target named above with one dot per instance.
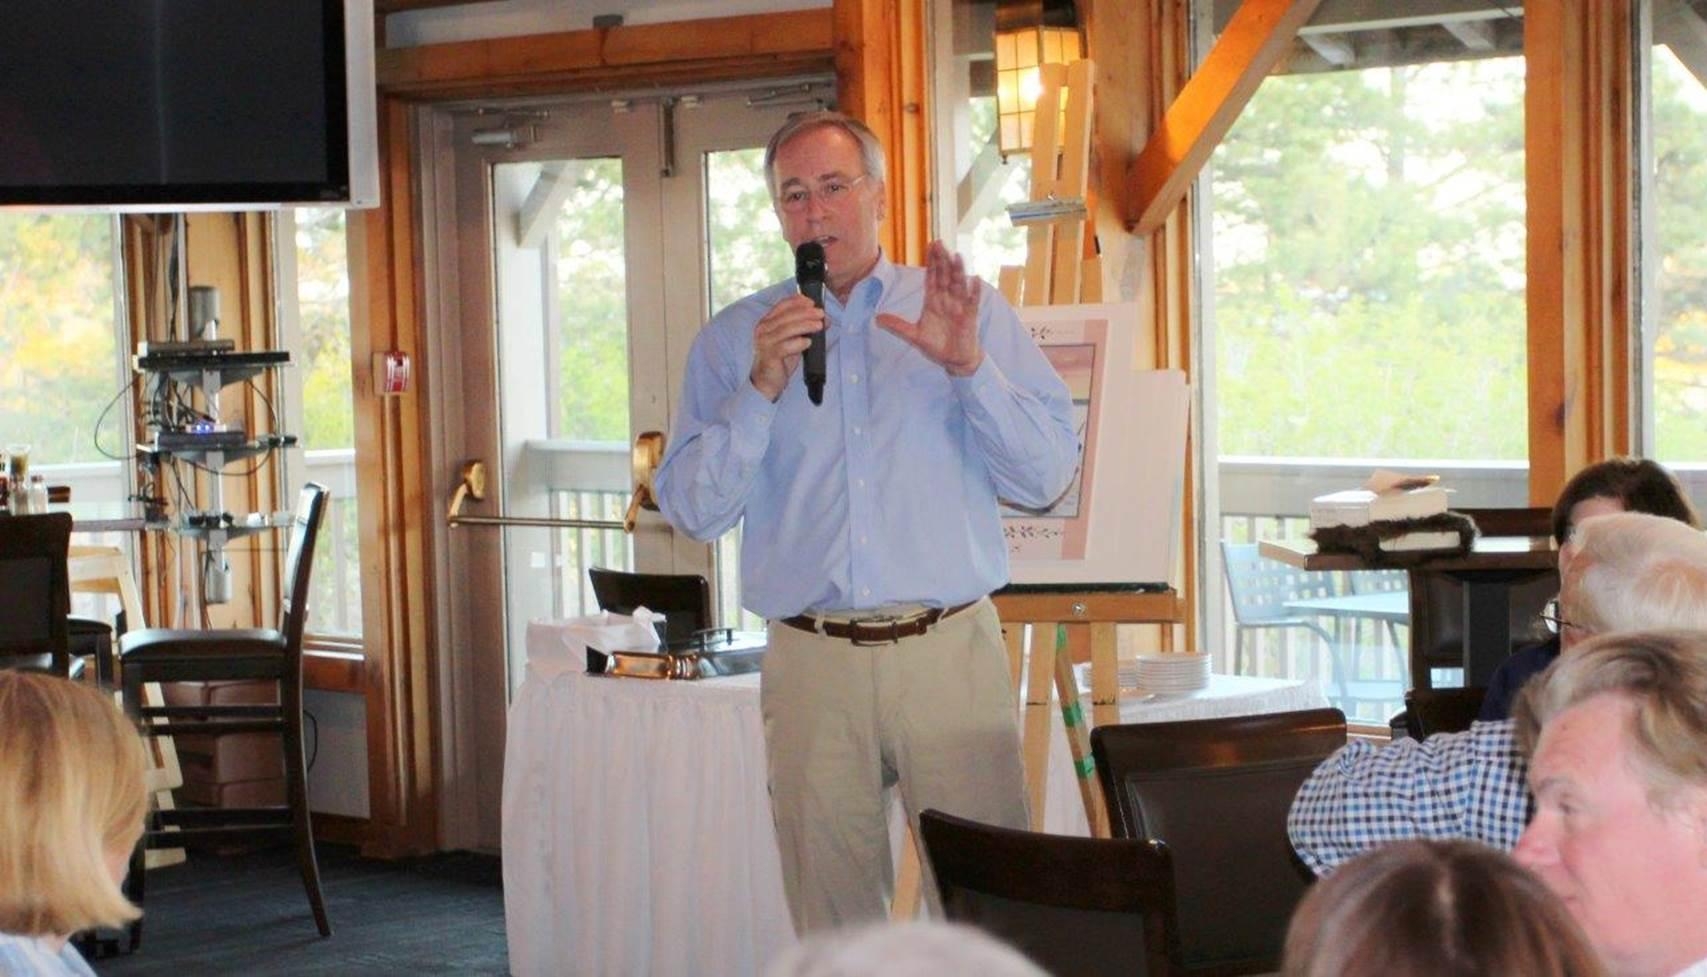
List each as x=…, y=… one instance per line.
x=853, y=378
x=860, y=483
x=862, y=539
x=865, y=592
x=856, y=428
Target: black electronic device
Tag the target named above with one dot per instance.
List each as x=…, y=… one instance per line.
x=210, y=359
x=139, y=105
x=186, y=346
x=809, y=276
x=199, y=440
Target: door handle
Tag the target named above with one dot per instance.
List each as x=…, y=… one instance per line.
x=473, y=485
x=647, y=453
x=643, y=460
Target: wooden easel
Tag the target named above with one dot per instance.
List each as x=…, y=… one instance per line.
x=1055, y=272
x=106, y=570
x=1067, y=628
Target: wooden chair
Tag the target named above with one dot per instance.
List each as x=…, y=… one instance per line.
x=1430, y=711
x=1090, y=907
x=271, y=654
x=683, y=598
x=34, y=632
x=1216, y=792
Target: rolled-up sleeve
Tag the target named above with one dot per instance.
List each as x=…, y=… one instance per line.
x=1020, y=412
x=1454, y=785
x=718, y=440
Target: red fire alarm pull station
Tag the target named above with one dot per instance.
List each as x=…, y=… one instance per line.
x=391, y=372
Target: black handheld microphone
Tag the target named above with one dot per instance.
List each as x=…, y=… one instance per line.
x=809, y=275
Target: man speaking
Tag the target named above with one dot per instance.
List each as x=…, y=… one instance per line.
x=870, y=531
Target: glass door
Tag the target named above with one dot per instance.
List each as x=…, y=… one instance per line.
x=586, y=243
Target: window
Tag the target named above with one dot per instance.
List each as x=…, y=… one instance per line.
x=1365, y=269
x=59, y=357
x=319, y=337
x=1673, y=178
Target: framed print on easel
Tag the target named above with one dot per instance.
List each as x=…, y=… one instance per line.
x=1118, y=522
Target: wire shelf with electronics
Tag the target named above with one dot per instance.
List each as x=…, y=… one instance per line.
x=181, y=395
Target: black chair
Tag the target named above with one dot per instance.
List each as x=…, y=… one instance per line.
x=1216, y=792
x=683, y=598
x=1439, y=598
x=35, y=595
x=1078, y=907
x=1430, y=711
x=268, y=654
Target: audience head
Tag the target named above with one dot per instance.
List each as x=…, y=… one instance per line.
x=1620, y=485
x=1434, y=909
x=71, y=774
x=1616, y=734
x=903, y=950
x=1633, y=571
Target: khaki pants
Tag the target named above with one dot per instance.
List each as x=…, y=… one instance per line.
x=933, y=714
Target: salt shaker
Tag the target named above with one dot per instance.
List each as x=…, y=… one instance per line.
x=38, y=492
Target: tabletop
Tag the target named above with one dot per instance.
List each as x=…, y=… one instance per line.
x=1385, y=605
x=1488, y=553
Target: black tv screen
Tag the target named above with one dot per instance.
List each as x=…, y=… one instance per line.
x=161, y=104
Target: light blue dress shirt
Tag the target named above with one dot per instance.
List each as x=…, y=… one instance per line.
x=25, y=956
x=887, y=492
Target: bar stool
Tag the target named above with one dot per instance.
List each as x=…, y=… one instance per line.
x=271, y=654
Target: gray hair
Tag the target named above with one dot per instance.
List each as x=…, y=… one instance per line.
x=913, y=949
x=1663, y=674
x=1634, y=571
x=870, y=149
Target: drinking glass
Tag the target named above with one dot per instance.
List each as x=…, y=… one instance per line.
x=18, y=464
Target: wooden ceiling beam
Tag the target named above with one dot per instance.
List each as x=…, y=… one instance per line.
x=786, y=42
x=1255, y=40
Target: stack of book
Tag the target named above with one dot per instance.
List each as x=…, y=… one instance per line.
x=1384, y=512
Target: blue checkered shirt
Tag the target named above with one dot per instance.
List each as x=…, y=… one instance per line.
x=1451, y=785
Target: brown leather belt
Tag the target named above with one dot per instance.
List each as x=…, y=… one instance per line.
x=877, y=630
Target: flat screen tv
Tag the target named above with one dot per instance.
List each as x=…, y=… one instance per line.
x=169, y=105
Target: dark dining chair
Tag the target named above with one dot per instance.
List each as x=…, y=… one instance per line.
x=1430, y=711
x=1216, y=792
x=1086, y=907
x=35, y=593
x=683, y=598
x=231, y=654
x=1440, y=600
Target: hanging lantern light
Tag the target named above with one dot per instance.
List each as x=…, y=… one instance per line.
x=1029, y=33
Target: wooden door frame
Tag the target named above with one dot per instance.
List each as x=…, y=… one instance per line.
x=403, y=500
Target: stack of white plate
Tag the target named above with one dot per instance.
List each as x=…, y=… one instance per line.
x=1171, y=674
x=1128, y=673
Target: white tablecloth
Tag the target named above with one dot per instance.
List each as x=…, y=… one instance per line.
x=637, y=836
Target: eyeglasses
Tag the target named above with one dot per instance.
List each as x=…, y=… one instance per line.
x=795, y=199
x=1556, y=624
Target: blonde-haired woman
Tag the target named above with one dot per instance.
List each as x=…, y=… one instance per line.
x=71, y=779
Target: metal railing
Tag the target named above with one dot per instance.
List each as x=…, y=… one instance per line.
x=1269, y=498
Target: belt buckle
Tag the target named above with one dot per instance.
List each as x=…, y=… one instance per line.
x=893, y=623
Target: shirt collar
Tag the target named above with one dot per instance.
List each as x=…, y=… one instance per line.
x=868, y=291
